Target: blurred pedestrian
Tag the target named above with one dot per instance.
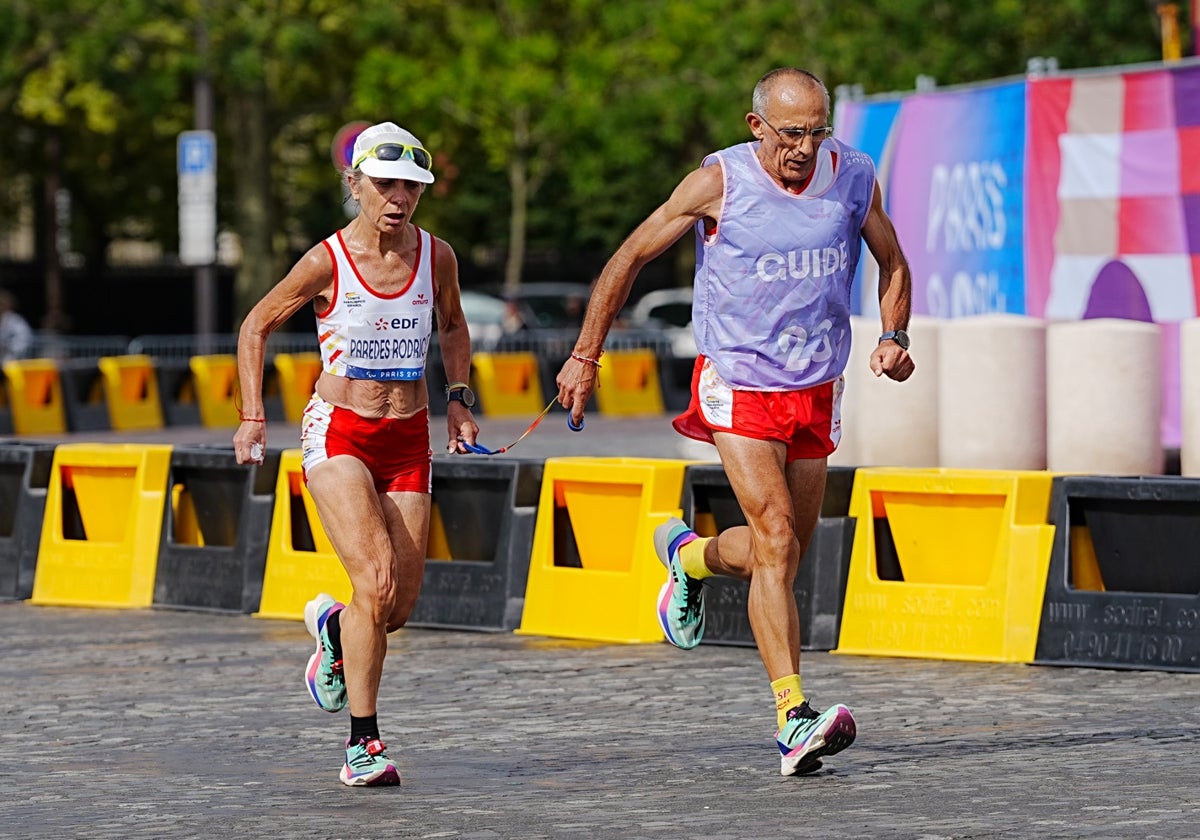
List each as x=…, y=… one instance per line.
x=376, y=287
x=779, y=223
x=16, y=336
x=513, y=320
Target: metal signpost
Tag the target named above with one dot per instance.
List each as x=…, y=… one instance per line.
x=197, y=159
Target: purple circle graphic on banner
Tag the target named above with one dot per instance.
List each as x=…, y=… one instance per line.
x=1117, y=293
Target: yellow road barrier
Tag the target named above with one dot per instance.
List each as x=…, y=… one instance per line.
x=131, y=392
x=629, y=384
x=947, y=564
x=593, y=548
x=36, y=397
x=298, y=374
x=216, y=381
x=300, y=559
x=103, y=519
x=507, y=384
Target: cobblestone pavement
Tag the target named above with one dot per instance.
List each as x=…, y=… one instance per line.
x=160, y=724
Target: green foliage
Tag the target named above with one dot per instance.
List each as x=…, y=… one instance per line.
x=885, y=44
x=105, y=79
x=556, y=125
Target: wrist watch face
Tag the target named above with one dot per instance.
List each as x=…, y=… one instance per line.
x=463, y=395
x=898, y=336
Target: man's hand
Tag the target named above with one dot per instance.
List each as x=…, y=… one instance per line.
x=893, y=360
x=576, y=384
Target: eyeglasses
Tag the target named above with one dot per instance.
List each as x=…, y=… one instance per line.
x=397, y=151
x=795, y=136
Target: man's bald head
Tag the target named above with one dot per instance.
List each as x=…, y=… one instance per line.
x=785, y=83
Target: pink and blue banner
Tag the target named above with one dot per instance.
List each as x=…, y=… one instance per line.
x=1057, y=197
x=951, y=166
x=1114, y=204
x=1061, y=197
x=956, y=195
x=867, y=126
x=1114, y=187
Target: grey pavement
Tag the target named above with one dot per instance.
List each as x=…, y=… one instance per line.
x=159, y=723
x=162, y=723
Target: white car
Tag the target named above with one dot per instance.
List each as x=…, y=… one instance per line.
x=485, y=318
x=668, y=311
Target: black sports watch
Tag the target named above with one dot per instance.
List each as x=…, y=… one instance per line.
x=898, y=336
x=459, y=392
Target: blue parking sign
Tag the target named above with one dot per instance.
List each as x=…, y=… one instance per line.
x=197, y=153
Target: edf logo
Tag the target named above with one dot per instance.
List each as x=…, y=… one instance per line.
x=384, y=324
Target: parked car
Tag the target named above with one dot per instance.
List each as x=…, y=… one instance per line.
x=551, y=313
x=550, y=305
x=670, y=312
x=486, y=318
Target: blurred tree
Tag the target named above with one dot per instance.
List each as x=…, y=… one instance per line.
x=99, y=91
x=281, y=69
x=659, y=86
x=556, y=124
x=497, y=72
x=885, y=44
x=91, y=93
x=612, y=100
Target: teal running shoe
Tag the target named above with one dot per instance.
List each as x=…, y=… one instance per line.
x=323, y=677
x=681, y=599
x=367, y=765
x=807, y=737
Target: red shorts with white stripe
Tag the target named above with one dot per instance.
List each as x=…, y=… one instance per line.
x=808, y=422
x=396, y=451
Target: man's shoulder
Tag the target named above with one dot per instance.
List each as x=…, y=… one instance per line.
x=735, y=152
x=853, y=156
x=703, y=183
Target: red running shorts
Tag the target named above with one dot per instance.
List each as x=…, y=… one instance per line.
x=395, y=451
x=808, y=421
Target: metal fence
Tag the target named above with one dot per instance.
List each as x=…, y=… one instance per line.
x=559, y=343
x=544, y=342
x=53, y=346
x=186, y=346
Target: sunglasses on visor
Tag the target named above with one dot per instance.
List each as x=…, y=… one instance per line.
x=397, y=151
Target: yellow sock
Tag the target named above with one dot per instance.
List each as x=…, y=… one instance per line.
x=691, y=558
x=787, y=696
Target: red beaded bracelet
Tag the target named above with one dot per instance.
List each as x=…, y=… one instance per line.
x=585, y=359
x=252, y=419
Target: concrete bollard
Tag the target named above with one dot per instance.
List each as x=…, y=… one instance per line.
x=992, y=389
x=1104, y=397
x=888, y=423
x=1189, y=387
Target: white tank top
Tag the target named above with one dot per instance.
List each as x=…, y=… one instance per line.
x=366, y=334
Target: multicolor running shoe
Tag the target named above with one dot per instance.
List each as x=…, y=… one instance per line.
x=367, y=765
x=323, y=677
x=807, y=737
x=681, y=599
